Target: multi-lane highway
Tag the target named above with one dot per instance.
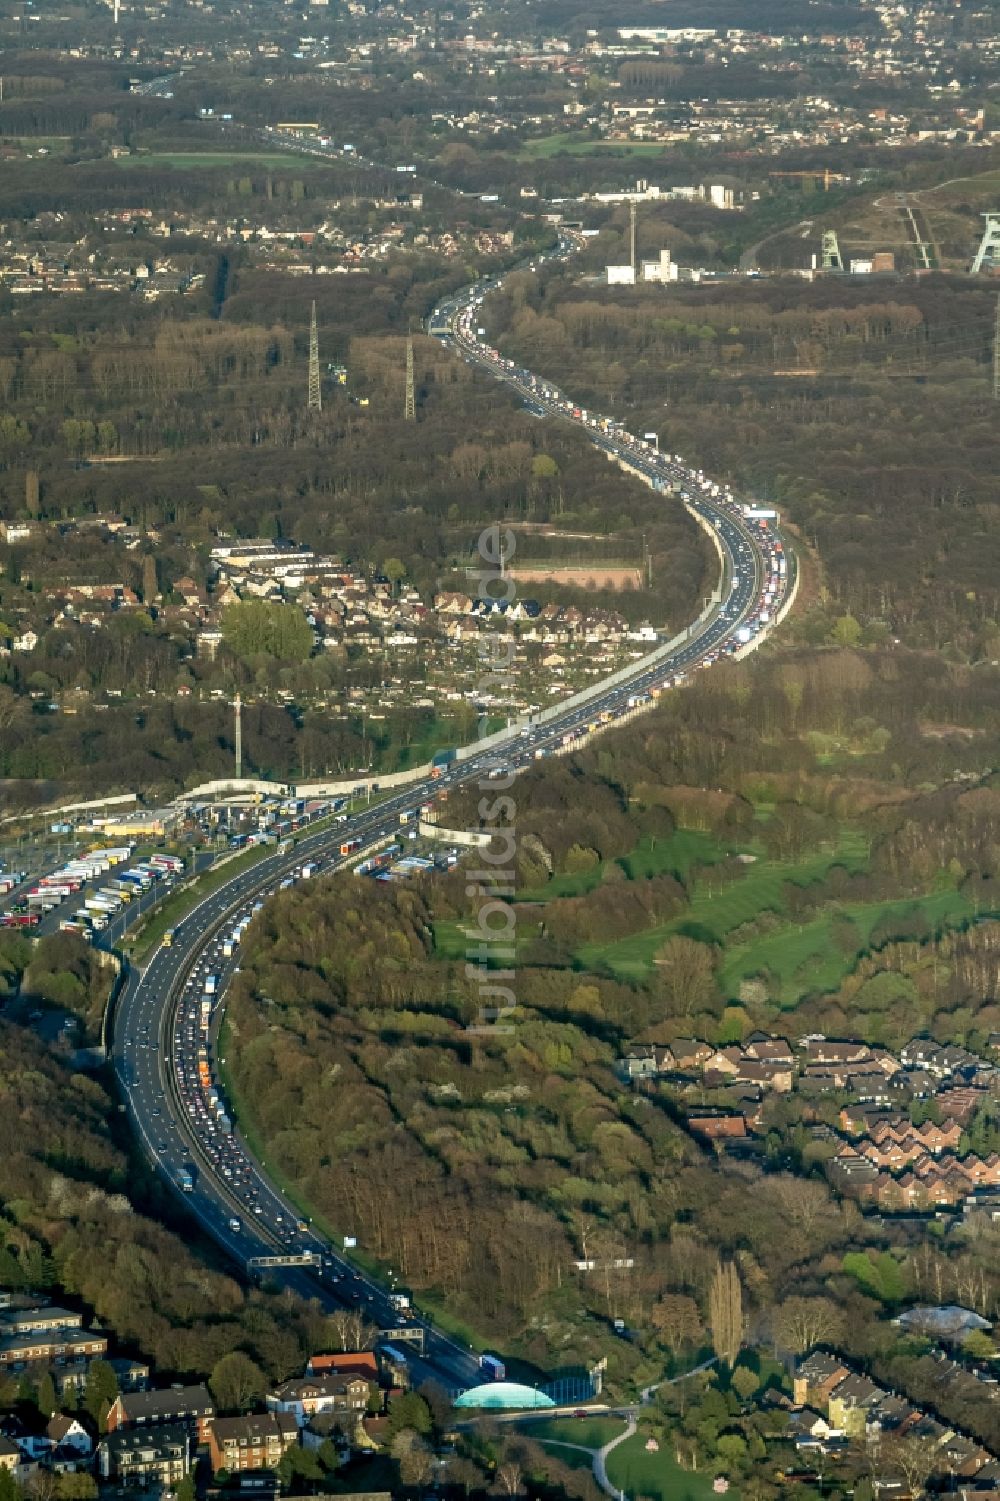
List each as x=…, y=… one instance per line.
x=167, y=1020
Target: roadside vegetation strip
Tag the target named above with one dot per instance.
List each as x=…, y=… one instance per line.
x=140, y=944
x=192, y=160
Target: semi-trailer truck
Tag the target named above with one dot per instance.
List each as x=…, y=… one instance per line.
x=441, y=762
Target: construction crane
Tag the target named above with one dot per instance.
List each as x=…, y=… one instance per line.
x=819, y=174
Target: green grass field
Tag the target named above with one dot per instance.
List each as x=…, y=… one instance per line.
x=577, y=146
x=712, y=915
x=592, y=1432
x=651, y=857
x=806, y=958
x=658, y=1475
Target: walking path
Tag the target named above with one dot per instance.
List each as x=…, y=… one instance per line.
x=601, y=1460
x=628, y=1413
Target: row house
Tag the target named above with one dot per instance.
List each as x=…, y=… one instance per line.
x=821, y=1050
x=942, y=1062
x=32, y=1348
x=927, y=1137
x=39, y=1319
x=960, y=1103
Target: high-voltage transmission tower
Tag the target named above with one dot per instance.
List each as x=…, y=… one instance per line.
x=410, y=412
x=315, y=395
x=988, y=254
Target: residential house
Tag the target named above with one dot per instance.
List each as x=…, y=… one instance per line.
x=851, y=1402
x=843, y=1054
x=764, y=1049
x=133, y=1375
x=307, y=1397
x=44, y=1318
x=639, y=1062
x=159, y=1454
x=816, y=1378
x=690, y=1054
x=347, y=1363
x=188, y=1405
x=65, y=1432
x=718, y=1128
x=10, y=1454
x=256, y=1442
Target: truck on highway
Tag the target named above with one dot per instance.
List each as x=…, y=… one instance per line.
x=441, y=762
x=185, y=1180
x=493, y=1367
x=211, y=984
x=168, y=938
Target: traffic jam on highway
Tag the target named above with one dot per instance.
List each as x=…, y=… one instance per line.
x=457, y=321
x=176, y=1097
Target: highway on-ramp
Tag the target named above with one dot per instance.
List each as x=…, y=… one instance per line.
x=167, y=1016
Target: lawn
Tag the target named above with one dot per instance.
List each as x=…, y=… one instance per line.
x=659, y=1475
x=807, y=958
x=674, y=856
x=575, y=145
x=592, y=1432
x=712, y=915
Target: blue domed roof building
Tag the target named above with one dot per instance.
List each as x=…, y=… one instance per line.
x=504, y=1396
